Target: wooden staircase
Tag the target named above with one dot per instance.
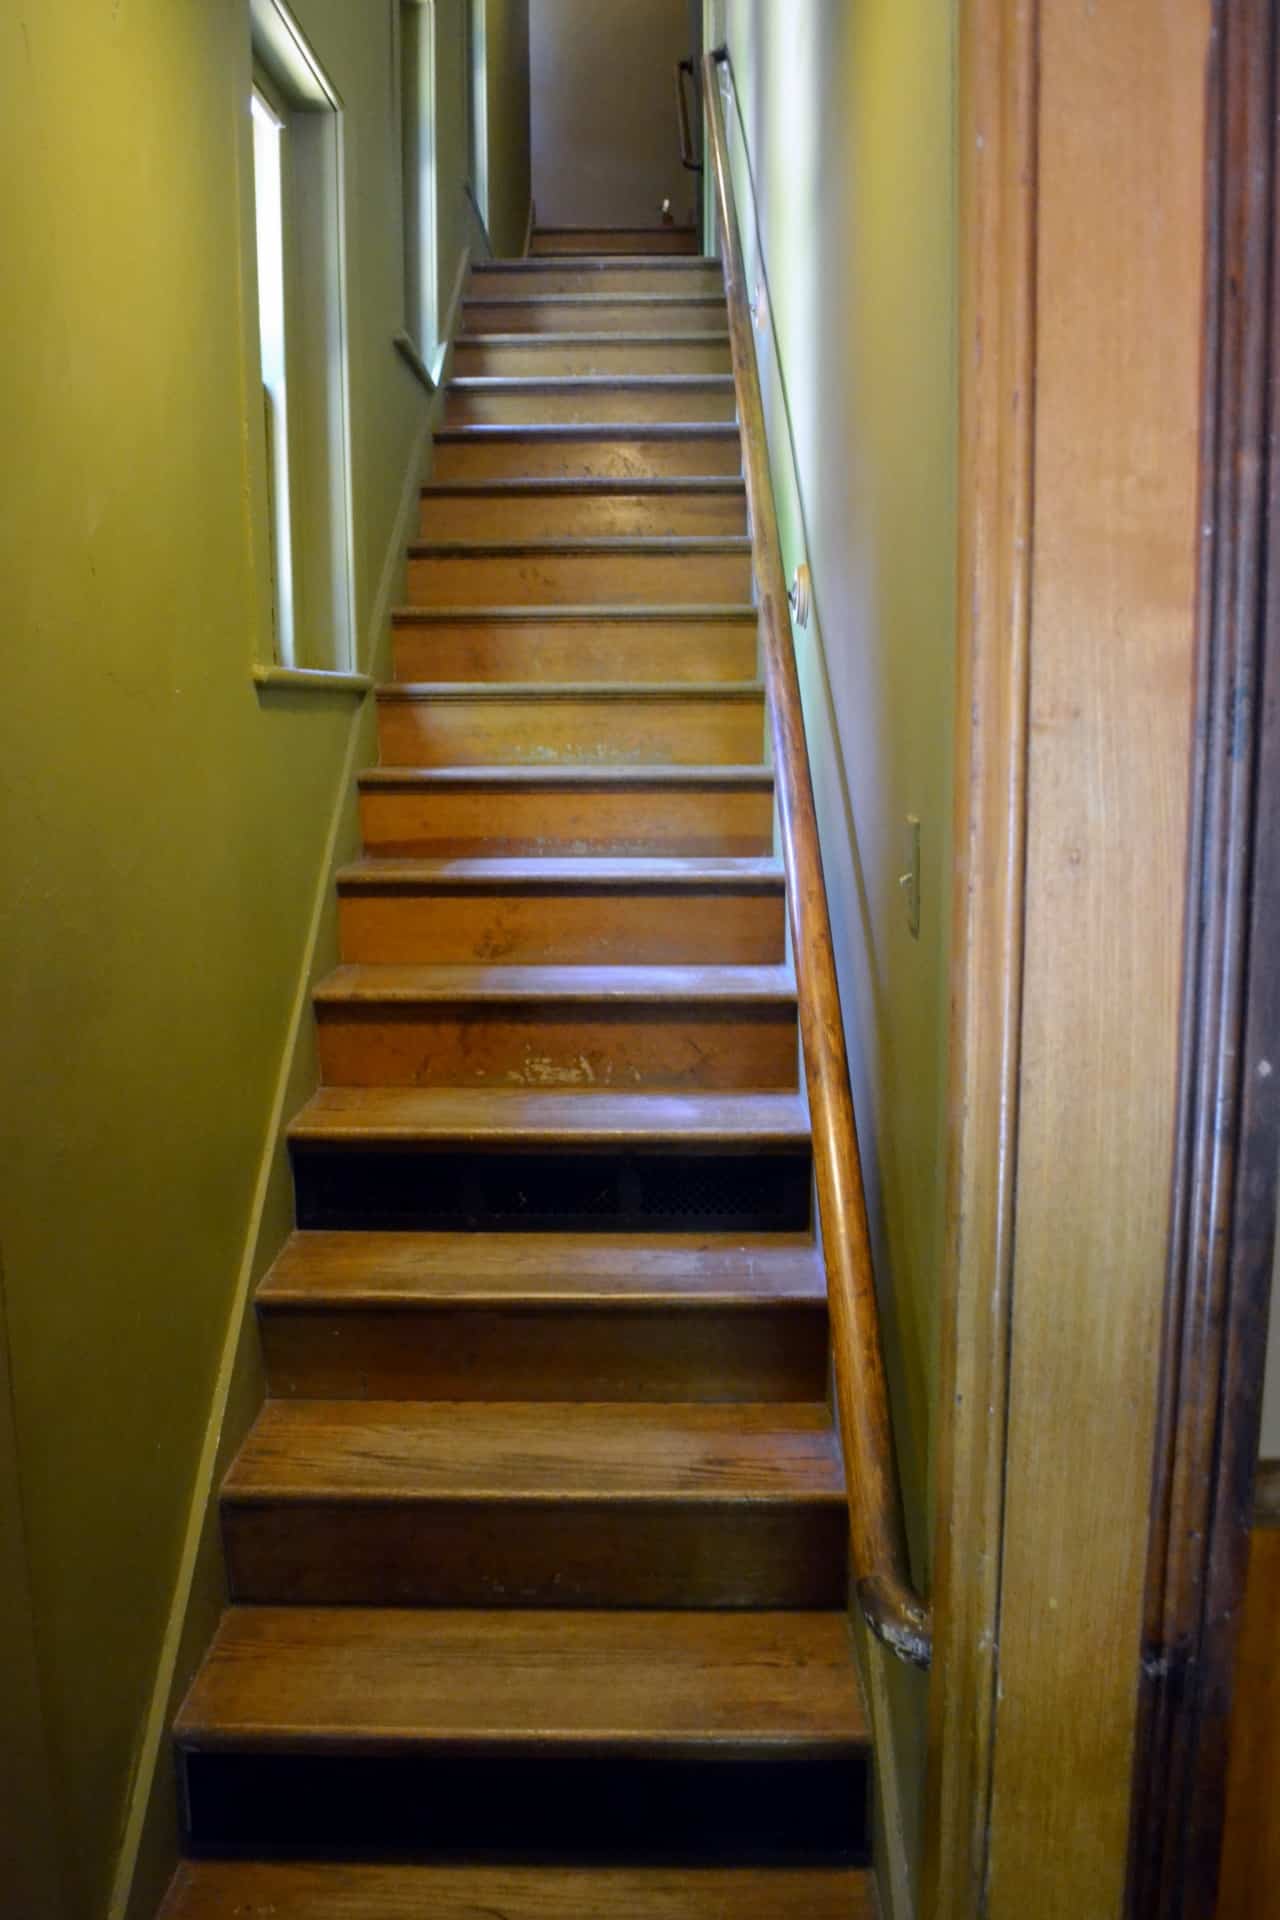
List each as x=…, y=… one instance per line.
x=537, y=1551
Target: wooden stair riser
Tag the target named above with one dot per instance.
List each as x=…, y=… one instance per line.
x=254, y=1890
x=500, y=518
x=511, y=403
x=545, y=1045
x=569, y=926
x=407, y=1188
x=606, y=240
x=527, y=1803
x=656, y=313
x=505, y=281
x=598, y=1353
x=460, y=821
x=503, y=357
x=517, y=455
x=529, y=730
x=551, y=577
x=596, y=649
x=487, y=1553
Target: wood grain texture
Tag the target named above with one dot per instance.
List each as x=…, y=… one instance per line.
x=1119, y=236
x=567, y=912
x=502, y=354
x=1250, y=1872
x=605, y=397
x=477, y=1117
x=507, y=279
x=253, y=1890
x=608, y=645
x=997, y=173
x=667, y=314
x=634, y=572
x=528, y=1504
x=490, y=725
x=621, y=1027
x=626, y=452
x=518, y=510
x=525, y=811
x=370, y=1680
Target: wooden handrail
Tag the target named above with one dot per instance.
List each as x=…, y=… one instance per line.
x=893, y=1610
x=688, y=158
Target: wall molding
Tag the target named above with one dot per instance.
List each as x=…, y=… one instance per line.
x=1223, y=1210
x=998, y=110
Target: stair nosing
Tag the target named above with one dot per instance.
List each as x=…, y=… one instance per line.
x=587, y=382
x=596, y=613
x=608, y=692
x=357, y=984
x=711, y=336
x=336, y=1116
x=629, y=546
x=474, y=431
x=621, y=298
x=648, y=872
x=577, y=775
x=530, y=486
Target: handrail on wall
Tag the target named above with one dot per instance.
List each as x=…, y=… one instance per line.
x=894, y=1611
x=688, y=158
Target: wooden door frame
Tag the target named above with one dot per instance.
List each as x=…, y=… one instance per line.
x=1223, y=1215
x=1226, y=1145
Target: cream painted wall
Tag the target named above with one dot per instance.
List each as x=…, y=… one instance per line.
x=849, y=157
x=507, y=81
x=606, y=149
x=167, y=833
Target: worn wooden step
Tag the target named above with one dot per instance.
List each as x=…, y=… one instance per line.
x=713, y=1028
x=589, y=398
x=668, y=314
x=570, y=1504
x=492, y=724
x=512, y=1160
x=469, y=812
x=518, y=510
x=596, y=274
x=719, y=1736
x=545, y=1317
x=706, y=570
x=337, y=1890
x=564, y=911
x=602, y=644
x=504, y=355
x=666, y=449
x=603, y=240
x=596, y=241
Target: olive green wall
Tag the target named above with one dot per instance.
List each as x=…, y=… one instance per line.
x=848, y=159
x=168, y=835
x=506, y=49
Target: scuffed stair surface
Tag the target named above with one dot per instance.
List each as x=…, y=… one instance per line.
x=475, y=1116
x=254, y=1890
x=370, y=1680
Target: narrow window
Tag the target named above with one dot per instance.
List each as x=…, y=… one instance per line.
x=297, y=125
x=418, y=171
x=268, y=210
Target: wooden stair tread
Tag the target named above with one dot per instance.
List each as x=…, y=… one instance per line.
x=535, y=873
x=400, y=985
x=570, y=775
x=546, y=1269
x=333, y=1890
x=608, y=691
x=630, y=544
x=597, y=263
x=612, y=430
x=553, y=341
x=525, y=488
x=589, y=300
x=588, y=382
x=537, y=1451
x=603, y=611
x=480, y=1116
x=392, y=1680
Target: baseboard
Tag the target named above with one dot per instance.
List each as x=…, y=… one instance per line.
x=450, y=333
x=529, y=225
x=150, y=1834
